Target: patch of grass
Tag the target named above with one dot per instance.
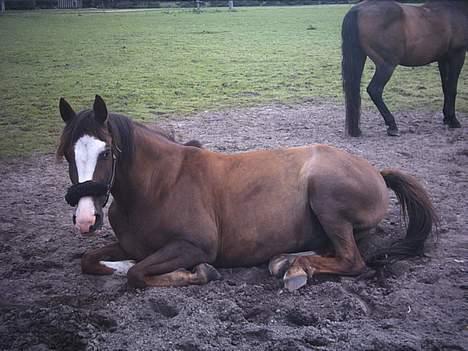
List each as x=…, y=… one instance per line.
x=152, y=64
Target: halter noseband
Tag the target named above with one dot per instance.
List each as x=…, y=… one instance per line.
x=92, y=188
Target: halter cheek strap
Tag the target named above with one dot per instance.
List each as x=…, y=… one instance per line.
x=92, y=188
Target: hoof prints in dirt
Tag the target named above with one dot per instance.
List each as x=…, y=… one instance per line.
x=301, y=317
x=164, y=309
x=58, y=327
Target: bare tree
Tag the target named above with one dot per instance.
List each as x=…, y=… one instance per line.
x=2, y=6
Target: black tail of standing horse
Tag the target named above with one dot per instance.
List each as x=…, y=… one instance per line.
x=352, y=66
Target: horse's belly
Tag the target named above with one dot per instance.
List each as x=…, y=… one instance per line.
x=252, y=245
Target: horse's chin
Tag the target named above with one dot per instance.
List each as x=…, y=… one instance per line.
x=93, y=230
x=96, y=227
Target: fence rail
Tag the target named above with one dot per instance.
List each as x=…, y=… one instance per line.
x=69, y=4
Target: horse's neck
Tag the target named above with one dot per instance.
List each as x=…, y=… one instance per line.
x=156, y=162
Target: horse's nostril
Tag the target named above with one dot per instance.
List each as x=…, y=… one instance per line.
x=74, y=219
x=97, y=222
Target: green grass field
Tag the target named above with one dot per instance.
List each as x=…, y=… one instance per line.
x=153, y=64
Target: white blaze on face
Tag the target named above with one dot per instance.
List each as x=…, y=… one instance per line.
x=87, y=150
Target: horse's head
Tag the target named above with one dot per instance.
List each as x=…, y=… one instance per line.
x=87, y=145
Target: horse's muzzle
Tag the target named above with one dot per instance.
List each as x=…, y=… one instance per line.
x=97, y=224
x=90, y=226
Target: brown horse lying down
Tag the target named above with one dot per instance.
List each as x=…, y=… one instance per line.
x=178, y=207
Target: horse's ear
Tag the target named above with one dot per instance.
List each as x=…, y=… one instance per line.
x=66, y=111
x=100, y=109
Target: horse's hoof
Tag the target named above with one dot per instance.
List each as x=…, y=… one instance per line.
x=208, y=272
x=393, y=132
x=454, y=124
x=295, y=278
x=279, y=265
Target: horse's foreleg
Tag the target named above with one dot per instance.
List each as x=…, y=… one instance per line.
x=383, y=73
x=449, y=70
x=167, y=267
x=201, y=274
x=91, y=261
x=347, y=259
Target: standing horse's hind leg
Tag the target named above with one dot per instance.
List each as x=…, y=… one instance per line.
x=449, y=69
x=383, y=73
x=347, y=259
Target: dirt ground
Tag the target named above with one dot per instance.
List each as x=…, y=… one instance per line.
x=47, y=304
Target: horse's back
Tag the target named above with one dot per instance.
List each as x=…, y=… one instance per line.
x=410, y=35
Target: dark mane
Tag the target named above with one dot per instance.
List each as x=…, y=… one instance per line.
x=121, y=128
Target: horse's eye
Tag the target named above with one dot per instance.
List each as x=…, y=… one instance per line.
x=105, y=155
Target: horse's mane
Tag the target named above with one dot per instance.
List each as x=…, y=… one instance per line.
x=122, y=130
x=120, y=126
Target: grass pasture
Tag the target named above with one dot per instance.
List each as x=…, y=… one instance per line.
x=162, y=63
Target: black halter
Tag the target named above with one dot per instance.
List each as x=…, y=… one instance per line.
x=92, y=188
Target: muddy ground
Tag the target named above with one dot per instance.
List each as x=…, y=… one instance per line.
x=46, y=303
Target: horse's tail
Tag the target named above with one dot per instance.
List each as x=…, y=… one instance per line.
x=352, y=66
x=416, y=206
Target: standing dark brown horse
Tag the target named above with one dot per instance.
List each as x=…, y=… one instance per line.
x=179, y=207
x=394, y=34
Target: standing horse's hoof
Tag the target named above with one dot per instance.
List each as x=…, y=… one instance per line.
x=393, y=132
x=453, y=123
x=355, y=133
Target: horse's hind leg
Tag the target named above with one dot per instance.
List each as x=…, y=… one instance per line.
x=347, y=259
x=278, y=265
x=449, y=69
x=383, y=73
